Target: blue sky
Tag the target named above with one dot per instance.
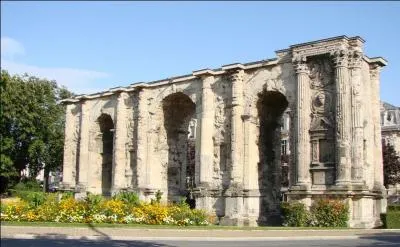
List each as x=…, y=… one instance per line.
x=93, y=46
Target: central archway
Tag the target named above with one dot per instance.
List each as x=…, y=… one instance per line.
x=107, y=137
x=271, y=106
x=179, y=122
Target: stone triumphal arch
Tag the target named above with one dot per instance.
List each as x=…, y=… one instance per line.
x=215, y=136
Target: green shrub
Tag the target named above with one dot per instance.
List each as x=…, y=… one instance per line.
x=28, y=185
x=93, y=199
x=329, y=213
x=391, y=219
x=130, y=198
x=294, y=213
x=158, y=196
x=67, y=194
x=25, y=189
x=393, y=208
x=35, y=199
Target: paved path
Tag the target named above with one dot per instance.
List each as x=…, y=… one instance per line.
x=95, y=233
x=368, y=242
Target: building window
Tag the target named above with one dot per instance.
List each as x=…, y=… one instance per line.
x=283, y=147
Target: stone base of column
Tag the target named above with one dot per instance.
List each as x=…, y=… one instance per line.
x=147, y=194
x=115, y=191
x=362, y=215
x=232, y=221
x=205, y=203
x=343, y=185
x=301, y=187
x=379, y=188
x=357, y=186
x=65, y=186
x=80, y=192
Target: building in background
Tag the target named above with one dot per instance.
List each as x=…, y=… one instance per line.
x=390, y=125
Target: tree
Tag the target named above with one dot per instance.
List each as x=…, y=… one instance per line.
x=31, y=127
x=391, y=164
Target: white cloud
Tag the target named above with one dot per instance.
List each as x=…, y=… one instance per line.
x=11, y=48
x=79, y=81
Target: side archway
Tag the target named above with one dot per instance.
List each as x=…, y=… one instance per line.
x=180, y=125
x=106, y=138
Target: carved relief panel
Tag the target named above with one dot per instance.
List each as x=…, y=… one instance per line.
x=322, y=120
x=222, y=92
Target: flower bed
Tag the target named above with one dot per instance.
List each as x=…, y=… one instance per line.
x=96, y=209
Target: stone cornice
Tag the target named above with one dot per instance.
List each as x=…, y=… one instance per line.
x=323, y=46
x=380, y=61
x=234, y=66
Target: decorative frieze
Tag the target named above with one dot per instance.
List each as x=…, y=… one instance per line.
x=322, y=120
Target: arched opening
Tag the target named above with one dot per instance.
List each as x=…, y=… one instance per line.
x=180, y=125
x=107, y=137
x=271, y=106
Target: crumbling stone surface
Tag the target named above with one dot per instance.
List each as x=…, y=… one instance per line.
x=215, y=136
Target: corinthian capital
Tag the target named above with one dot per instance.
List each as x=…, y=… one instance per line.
x=355, y=59
x=299, y=64
x=374, y=71
x=237, y=76
x=340, y=57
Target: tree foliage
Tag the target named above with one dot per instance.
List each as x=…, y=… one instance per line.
x=31, y=127
x=391, y=164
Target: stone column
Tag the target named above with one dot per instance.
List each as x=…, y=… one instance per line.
x=143, y=171
x=119, y=159
x=375, y=105
x=237, y=127
x=70, y=147
x=234, y=206
x=343, y=118
x=302, y=124
x=357, y=175
x=84, y=148
x=207, y=131
x=251, y=198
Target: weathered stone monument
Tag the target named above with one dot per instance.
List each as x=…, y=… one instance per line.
x=215, y=135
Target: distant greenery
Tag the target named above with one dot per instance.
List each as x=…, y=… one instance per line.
x=31, y=127
x=391, y=219
x=391, y=164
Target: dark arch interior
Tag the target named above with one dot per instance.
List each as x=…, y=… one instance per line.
x=107, y=136
x=179, y=110
x=270, y=106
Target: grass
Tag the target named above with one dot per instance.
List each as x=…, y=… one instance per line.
x=142, y=226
